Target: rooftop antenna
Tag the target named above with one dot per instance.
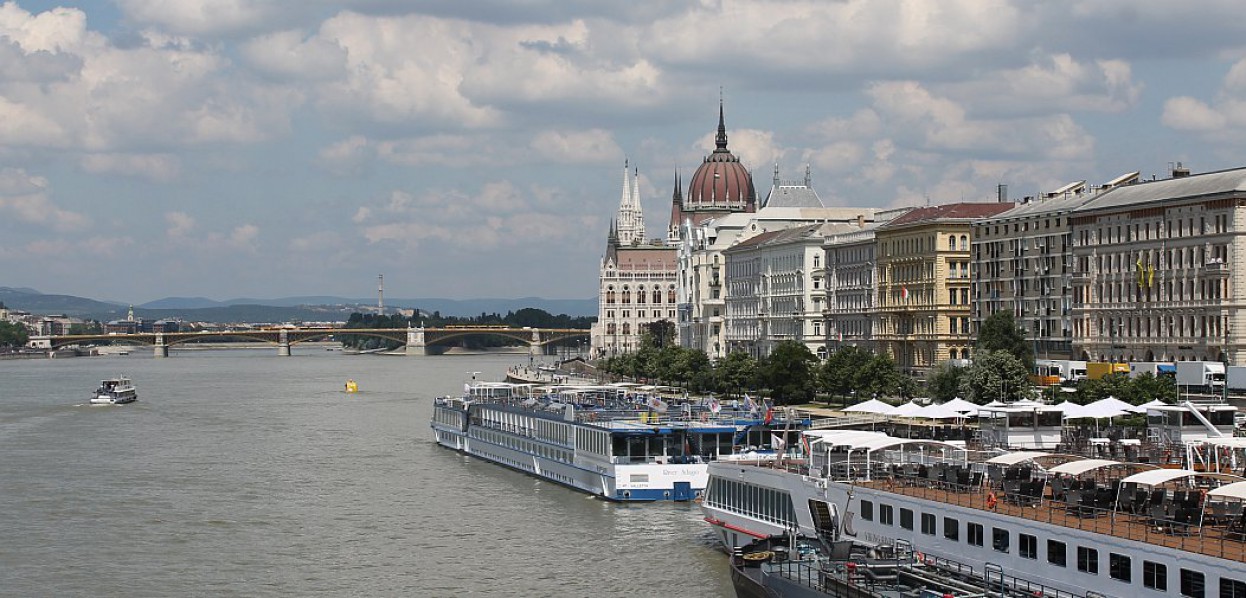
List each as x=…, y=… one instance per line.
x=380, y=293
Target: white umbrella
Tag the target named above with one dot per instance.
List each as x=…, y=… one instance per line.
x=909, y=409
x=961, y=405
x=940, y=411
x=1153, y=403
x=870, y=406
x=1113, y=403
x=1071, y=410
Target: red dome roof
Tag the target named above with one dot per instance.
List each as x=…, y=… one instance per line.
x=721, y=181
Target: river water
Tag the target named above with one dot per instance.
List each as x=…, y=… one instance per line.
x=241, y=473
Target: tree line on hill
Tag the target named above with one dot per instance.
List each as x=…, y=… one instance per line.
x=791, y=374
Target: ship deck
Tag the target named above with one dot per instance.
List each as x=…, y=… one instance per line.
x=1213, y=537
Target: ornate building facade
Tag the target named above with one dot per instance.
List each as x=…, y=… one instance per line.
x=637, y=278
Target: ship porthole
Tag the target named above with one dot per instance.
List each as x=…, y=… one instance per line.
x=666, y=494
x=627, y=494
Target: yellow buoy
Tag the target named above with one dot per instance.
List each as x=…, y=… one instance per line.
x=351, y=386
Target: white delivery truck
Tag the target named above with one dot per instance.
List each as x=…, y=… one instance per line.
x=1201, y=376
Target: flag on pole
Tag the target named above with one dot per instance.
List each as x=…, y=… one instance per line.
x=804, y=440
x=1141, y=273
x=769, y=415
x=777, y=443
x=656, y=404
x=904, y=293
x=715, y=407
x=749, y=404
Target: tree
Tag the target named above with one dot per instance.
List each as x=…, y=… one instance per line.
x=838, y=374
x=13, y=335
x=943, y=384
x=1000, y=333
x=788, y=373
x=661, y=333
x=995, y=375
x=736, y=372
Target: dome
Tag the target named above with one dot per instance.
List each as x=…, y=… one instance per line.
x=721, y=181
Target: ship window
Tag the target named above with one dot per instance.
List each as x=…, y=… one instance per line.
x=640, y=478
x=1056, y=553
x=928, y=524
x=1232, y=588
x=1155, y=576
x=951, y=529
x=906, y=518
x=1088, y=560
x=999, y=539
x=975, y=534
x=1027, y=546
x=867, y=510
x=1119, y=567
x=885, y=515
x=1192, y=583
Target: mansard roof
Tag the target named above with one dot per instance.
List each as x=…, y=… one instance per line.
x=951, y=211
x=792, y=196
x=1211, y=184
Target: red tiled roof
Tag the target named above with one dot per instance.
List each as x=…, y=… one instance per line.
x=951, y=211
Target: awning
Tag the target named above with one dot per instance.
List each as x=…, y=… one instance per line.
x=1235, y=490
x=1156, y=477
x=1083, y=466
x=1015, y=458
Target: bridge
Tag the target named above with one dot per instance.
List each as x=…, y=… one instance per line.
x=418, y=341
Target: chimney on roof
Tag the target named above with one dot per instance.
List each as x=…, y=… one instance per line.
x=860, y=220
x=1001, y=193
x=1180, y=171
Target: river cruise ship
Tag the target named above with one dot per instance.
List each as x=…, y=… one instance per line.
x=1070, y=525
x=608, y=441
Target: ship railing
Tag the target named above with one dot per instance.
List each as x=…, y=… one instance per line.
x=1194, y=534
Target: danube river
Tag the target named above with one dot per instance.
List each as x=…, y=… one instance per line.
x=240, y=473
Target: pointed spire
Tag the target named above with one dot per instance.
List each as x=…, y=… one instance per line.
x=808, y=176
x=720, y=141
x=776, y=174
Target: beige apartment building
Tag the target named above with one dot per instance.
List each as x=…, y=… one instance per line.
x=922, y=310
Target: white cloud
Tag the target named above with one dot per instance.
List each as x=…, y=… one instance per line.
x=1222, y=120
x=201, y=17
x=25, y=198
x=157, y=167
x=1052, y=83
x=180, y=225
x=291, y=54
x=576, y=147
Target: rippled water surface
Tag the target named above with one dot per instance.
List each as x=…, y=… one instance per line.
x=240, y=473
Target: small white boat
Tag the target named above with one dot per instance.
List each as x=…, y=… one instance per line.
x=114, y=391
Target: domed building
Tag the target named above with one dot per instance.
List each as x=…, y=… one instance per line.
x=721, y=185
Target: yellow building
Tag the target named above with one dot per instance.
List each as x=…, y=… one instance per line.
x=922, y=311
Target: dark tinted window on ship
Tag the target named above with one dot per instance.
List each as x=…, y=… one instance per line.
x=867, y=510
x=1027, y=546
x=1088, y=560
x=886, y=516
x=975, y=534
x=1192, y=583
x=1155, y=576
x=1000, y=539
x=1119, y=567
x=928, y=524
x=906, y=518
x=951, y=529
x=1056, y=553
x=1232, y=588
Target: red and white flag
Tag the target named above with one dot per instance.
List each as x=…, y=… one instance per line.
x=777, y=443
x=904, y=293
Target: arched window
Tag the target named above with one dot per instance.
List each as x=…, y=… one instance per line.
x=611, y=328
x=610, y=296
x=951, y=242
x=964, y=243
x=640, y=295
x=627, y=328
x=670, y=295
x=657, y=296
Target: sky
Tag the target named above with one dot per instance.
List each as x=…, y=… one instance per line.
x=252, y=148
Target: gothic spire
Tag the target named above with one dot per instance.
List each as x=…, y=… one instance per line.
x=720, y=141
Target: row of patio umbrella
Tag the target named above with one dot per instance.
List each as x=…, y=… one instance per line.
x=959, y=408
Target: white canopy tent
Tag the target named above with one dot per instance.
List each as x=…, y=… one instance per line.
x=1016, y=457
x=963, y=406
x=870, y=406
x=909, y=409
x=941, y=411
x=1236, y=490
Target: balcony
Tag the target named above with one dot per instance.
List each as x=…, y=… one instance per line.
x=1216, y=268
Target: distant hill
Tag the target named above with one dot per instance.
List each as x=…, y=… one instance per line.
x=287, y=309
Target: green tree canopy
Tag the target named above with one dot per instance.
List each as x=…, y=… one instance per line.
x=788, y=373
x=943, y=383
x=1000, y=333
x=13, y=335
x=995, y=375
x=736, y=372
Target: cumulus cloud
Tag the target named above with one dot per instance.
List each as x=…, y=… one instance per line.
x=1222, y=119
x=1053, y=83
x=180, y=224
x=25, y=198
x=576, y=147
x=201, y=17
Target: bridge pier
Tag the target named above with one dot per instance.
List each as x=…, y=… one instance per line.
x=283, y=344
x=415, y=342
x=159, y=348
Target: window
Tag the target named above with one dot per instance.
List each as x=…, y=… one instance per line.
x=1232, y=588
x=928, y=524
x=951, y=529
x=1056, y=553
x=999, y=539
x=885, y=515
x=975, y=534
x=1192, y=583
x=1088, y=560
x=1119, y=567
x=1155, y=576
x=867, y=510
x=906, y=518
x=1027, y=545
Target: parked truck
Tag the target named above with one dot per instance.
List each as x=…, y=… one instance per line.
x=1099, y=369
x=1154, y=368
x=1067, y=371
x=1235, y=378
x=1201, y=376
